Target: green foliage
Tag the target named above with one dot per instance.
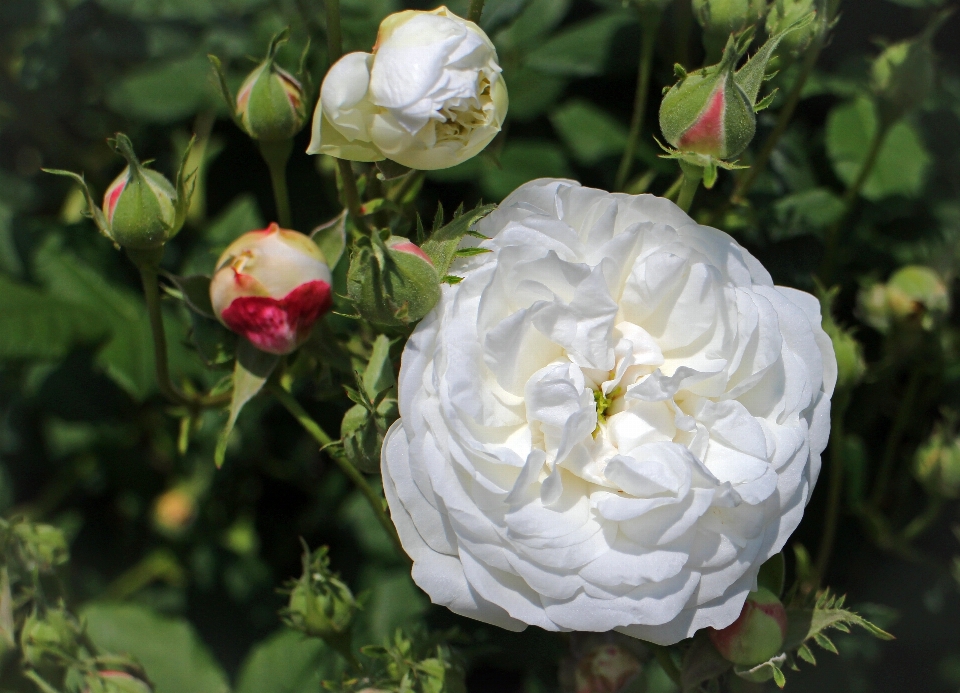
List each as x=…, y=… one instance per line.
x=286, y=662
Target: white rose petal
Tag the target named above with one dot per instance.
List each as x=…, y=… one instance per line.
x=610, y=423
x=430, y=96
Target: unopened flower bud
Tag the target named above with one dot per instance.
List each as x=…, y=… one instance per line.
x=720, y=18
x=757, y=634
x=49, y=638
x=392, y=282
x=115, y=682
x=913, y=295
x=903, y=75
x=320, y=604
x=270, y=103
x=42, y=547
x=270, y=106
x=936, y=465
x=142, y=210
x=783, y=13
x=605, y=669
x=271, y=286
x=174, y=511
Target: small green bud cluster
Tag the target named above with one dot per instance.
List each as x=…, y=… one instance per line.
x=50, y=638
x=784, y=13
x=365, y=424
x=320, y=605
x=415, y=667
x=850, y=362
x=913, y=296
x=41, y=547
x=271, y=104
x=142, y=210
x=391, y=281
x=936, y=464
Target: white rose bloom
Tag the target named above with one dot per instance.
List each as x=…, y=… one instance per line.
x=430, y=95
x=609, y=424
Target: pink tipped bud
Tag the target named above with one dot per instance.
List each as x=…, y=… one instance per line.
x=271, y=286
x=757, y=634
x=399, y=244
x=605, y=669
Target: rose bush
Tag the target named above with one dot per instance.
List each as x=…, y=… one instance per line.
x=610, y=423
x=430, y=95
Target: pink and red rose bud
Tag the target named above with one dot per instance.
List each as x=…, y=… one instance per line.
x=757, y=634
x=605, y=669
x=708, y=113
x=397, y=288
x=270, y=104
x=271, y=286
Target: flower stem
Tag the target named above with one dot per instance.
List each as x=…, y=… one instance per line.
x=834, y=492
x=783, y=122
x=893, y=439
x=352, y=196
x=148, y=262
x=334, y=40
x=692, y=175
x=318, y=434
x=276, y=154
x=476, y=9
x=828, y=266
x=650, y=23
x=666, y=662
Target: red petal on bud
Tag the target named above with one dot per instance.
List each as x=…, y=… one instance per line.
x=112, y=196
x=777, y=613
x=706, y=135
x=411, y=248
x=279, y=326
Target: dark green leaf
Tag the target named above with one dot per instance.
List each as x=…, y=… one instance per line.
x=331, y=238
x=286, y=662
x=590, y=133
x=195, y=291
x=582, y=49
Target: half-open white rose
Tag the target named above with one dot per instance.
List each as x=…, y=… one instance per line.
x=430, y=95
x=609, y=424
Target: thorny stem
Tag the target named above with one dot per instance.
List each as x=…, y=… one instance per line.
x=476, y=9
x=650, y=23
x=352, y=196
x=334, y=41
x=692, y=175
x=317, y=433
x=783, y=122
x=828, y=266
x=276, y=154
x=893, y=440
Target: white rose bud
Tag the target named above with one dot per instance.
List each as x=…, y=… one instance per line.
x=610, y=423
x=271, y=286
x=430, y=95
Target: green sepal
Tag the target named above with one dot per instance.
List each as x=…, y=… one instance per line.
x=251, y=371
x=92, y=212
x=444, y=241
x=185, y=185
x=751, y=76
x=228, y=97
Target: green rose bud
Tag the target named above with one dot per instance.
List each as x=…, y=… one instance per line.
x=42, y=547
x=142, y=210
x=783, y=13
x=720, y=18
x=914, y=295
x=271, y=104
x=392, y=281
x=49, y=638
x=902, y=76
x=320, y=604
x=757, y=634
x=936, y=465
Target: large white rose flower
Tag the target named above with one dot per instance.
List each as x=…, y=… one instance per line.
x=609, y=424
x=430, y=95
